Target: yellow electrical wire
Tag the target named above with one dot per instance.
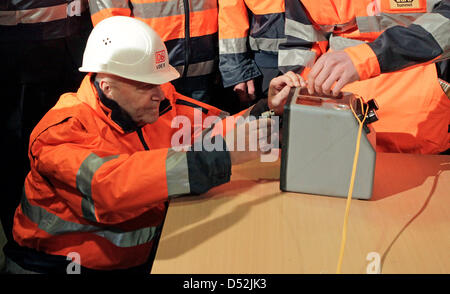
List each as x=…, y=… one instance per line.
x=352, y=181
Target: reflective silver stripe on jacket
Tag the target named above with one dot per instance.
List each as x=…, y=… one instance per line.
x=153, y=9
x=197, y=69
x=340, y=43
x=380, y=23
x=233, y=46
x=177, y=173
x=170, y=8
x=265, y=44
x=97, y=5
x=54, y=225
x=177, y=170
x=295, y=57
x=439, y=27
x=84, y=177
x=42, y=14
x=303, y=31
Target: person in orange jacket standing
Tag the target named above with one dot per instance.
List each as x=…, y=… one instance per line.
x=189, y=30
x=249, y=34
x=41, y=45
x=104, y=161
x=381, y=49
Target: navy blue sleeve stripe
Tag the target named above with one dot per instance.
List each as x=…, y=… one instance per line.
x=393, y=47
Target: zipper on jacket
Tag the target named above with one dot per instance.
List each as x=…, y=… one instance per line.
x=187, y=37
x=141, y=138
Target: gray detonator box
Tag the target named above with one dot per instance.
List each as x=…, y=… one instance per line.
x=318, y=145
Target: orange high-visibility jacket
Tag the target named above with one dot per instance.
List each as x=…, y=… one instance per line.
x=249, y=34
x=98, y=183
x=188, y=28
x=392, y=45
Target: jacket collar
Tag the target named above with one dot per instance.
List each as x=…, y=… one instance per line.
x=117, y=114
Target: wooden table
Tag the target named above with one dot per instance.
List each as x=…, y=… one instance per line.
x=249, y=226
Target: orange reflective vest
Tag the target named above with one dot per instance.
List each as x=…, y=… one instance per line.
x=249, y=34
x=392, y=45
x=188, y=28
x=98, y=190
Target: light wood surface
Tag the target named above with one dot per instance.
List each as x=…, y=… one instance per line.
x=249, y=226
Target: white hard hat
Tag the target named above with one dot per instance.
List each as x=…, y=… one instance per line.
x=128, y=48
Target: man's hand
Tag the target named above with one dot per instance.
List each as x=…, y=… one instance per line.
x=247, y=141
x=245, y=91
x=330, y=68
x=279, y=90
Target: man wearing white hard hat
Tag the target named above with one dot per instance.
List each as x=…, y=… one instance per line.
x=103, y=165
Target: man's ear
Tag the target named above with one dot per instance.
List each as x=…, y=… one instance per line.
x=105, y=86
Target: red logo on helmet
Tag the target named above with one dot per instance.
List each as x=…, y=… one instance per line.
x=160, y=56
